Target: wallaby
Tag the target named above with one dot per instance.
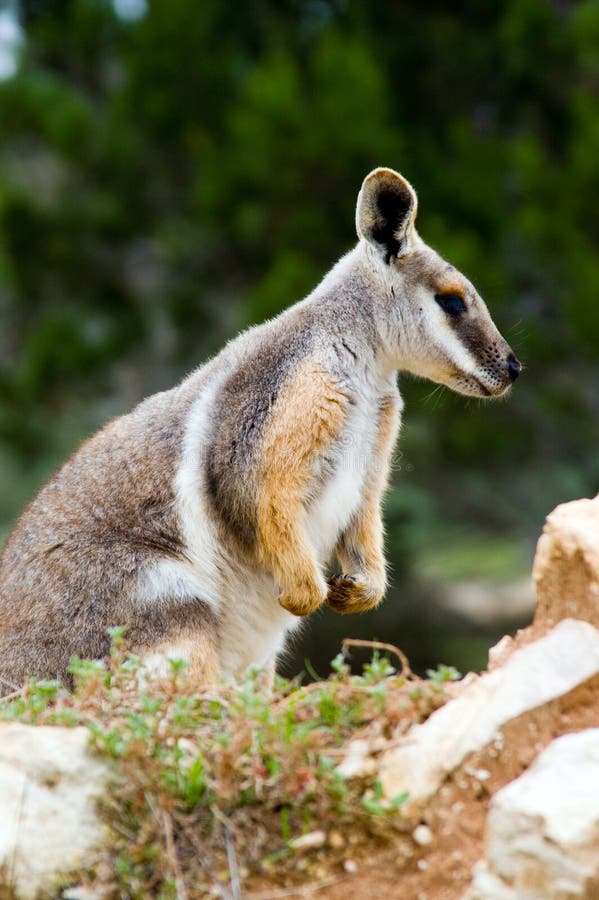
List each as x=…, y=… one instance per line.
x=203, y=520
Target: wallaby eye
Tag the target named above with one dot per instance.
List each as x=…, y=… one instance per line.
x=452, y=304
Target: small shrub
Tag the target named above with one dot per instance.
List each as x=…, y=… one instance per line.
x=207, y=780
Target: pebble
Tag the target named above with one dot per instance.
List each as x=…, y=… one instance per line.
x=336, y=840
x=422, y=835
x=308, y=841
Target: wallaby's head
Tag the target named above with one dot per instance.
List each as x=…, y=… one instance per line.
x=435, y=320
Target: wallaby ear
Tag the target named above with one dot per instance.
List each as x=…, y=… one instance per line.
x=386, y=211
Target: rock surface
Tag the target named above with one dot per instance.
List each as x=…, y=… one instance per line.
x=542, y=838
x=566, y=566
x=49, y=783
x=532, y=676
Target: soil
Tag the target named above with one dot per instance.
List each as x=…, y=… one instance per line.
x=442, y=870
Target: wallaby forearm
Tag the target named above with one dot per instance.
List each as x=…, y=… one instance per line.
x=307, y=420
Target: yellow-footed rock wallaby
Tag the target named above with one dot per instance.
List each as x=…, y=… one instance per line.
x=203, y=520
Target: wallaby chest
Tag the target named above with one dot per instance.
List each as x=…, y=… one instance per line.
x=343, y=474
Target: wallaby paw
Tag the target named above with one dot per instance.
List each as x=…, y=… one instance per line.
x=303, y=600
x=352, y=594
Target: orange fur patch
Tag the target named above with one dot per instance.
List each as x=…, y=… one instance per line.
x=199, y=649
x=308, y=417
x=451, y=288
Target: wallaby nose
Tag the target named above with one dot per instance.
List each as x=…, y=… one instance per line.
x=513, y=367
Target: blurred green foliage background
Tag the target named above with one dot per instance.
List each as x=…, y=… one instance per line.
x=171, y=171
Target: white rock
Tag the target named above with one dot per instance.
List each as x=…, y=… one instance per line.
x=485, y=886
x=543, y=829
x=566, y=566
x=478, y=774
x=84, y=893
x=49, y=783
x=532, y=676
x=309, y=841
x=500, y=650
x=358, y=760
x=422, y=835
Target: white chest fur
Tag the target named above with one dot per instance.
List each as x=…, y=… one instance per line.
x=330, y=513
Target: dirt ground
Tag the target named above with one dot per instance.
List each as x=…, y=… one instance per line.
x=441, y=870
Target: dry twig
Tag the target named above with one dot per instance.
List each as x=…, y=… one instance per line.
x=390, y=648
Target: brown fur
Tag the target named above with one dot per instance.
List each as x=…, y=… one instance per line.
x=308, y=417
x=196, y=644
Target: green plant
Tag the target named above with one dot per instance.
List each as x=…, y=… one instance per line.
x=443, y=673
x=200, y=769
